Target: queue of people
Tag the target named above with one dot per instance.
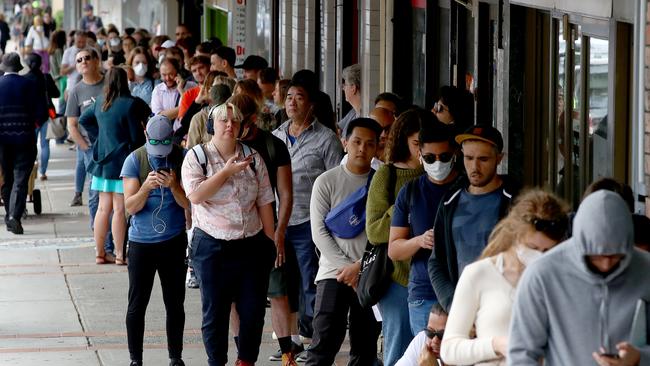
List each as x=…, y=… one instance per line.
x=252, y=189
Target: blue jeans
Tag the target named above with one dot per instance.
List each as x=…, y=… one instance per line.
x=93, y=196
x=232, y=271
x=419, y=310
x=299, y=238
x=41, y=132
x=395, y=323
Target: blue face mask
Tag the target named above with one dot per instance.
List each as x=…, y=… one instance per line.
x=101, y=42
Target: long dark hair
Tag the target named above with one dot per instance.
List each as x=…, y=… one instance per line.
x=117, y=85
x=57, y=41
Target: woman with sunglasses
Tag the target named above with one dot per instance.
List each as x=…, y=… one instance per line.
x=455, y=107
x=115, y=125
x=402, y=166
x=485, y=293
x=232, y=250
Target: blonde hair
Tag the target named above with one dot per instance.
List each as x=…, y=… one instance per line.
x=529, y=206
x=220, y=112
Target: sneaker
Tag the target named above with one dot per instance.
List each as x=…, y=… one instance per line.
x=76, y=201
x=176, y=362
x=288, y=360
x=135, y=363
x=277, y=356
x=14, y=226
x=302, y=356
x=192, y=281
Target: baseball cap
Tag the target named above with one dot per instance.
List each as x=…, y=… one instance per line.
x=160, y=131
x=227, y=54
x=485, y=133
x=88, y=7
x=168, y=44
x=253, y=62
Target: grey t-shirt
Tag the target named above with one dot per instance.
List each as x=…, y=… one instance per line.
x=474, y=219
x=345, y=121
x=80, y=98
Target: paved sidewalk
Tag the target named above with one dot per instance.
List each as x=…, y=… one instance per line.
x=58, y=308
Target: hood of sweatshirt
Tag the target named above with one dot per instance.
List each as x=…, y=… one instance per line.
x=602, y=226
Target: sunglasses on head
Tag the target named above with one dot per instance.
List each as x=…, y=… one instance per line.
x=84, y=58
x=430, y=333
x=556, y=229
x=161, y=142
x=438, y=107
x=431, y=158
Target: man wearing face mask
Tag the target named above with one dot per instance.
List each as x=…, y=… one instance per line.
x=469, y=210
x=411, y=232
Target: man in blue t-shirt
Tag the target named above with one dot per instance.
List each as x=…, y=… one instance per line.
x=155, y=198
x=469, y=210
x=411, y=231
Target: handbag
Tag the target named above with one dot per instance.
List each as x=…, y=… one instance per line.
x=55, y=129
x=376, y=266
x=374, y=276
x=348, y=219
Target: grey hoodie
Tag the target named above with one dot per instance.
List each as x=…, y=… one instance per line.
x=563, y=311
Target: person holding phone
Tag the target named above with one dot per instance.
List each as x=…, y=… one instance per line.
x=156, y=201
x=575, y=305
x=232, y=246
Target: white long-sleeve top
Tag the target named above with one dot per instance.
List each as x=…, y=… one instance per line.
x=483, y=298
x=37, y=39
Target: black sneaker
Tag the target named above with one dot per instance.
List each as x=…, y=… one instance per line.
x=135, y=363
x=76, y=200
x=176, y=362
x=14, y=226
x=302, y=356
x=276, y=356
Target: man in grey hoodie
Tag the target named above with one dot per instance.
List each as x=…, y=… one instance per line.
x=576, y=304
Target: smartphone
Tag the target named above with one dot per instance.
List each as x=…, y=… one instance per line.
x=166, y=170
x=610, y=355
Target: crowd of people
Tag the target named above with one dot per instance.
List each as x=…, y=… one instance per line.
x=247, y=187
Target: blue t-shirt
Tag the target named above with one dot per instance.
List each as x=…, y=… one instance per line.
x=418, y=213
x=474, y=219
x=147, y=227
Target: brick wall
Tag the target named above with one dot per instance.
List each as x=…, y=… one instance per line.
x=647, y=110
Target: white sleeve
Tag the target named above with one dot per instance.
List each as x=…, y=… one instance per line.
x=412, y=353
x=457, y=348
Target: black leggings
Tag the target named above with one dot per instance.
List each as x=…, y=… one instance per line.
x=168, y=258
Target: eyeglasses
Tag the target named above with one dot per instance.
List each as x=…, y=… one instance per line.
x=555, y=229
x=430, y=333
x=431, y=158
x=438, y=108
x=84, y=58
x=161, y=142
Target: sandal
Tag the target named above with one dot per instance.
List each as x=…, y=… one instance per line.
x=120, y=262
x=100, y=260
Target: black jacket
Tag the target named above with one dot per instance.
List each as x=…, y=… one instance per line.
x=443, y=264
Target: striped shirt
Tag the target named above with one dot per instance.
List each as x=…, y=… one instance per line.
x=315, y=151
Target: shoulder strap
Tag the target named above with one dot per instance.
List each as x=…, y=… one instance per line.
x=201, y=158
x=270, y=145
x=392, y=182
x=145, y=168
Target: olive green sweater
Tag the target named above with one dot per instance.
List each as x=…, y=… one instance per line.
x=379, y=212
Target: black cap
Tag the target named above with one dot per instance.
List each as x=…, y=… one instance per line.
x=485, y=133
x=253, y=62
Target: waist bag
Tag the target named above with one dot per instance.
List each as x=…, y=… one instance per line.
x=348, y=219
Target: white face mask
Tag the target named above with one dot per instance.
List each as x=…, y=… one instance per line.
x=140, y=69
x=438, y=171
x=527, y=255
x=114, y=42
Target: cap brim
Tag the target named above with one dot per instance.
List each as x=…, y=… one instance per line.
x=238, y=66
x=158, y=150
x=465, y=136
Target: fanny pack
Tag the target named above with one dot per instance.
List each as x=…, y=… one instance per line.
x=348, y=218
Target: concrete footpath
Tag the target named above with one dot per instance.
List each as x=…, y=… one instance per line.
x=58, y=308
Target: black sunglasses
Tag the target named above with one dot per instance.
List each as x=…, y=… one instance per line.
x=555, y=229
x=431, y=158
x=430, y=333
x=84, y=58
x=162, y=142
